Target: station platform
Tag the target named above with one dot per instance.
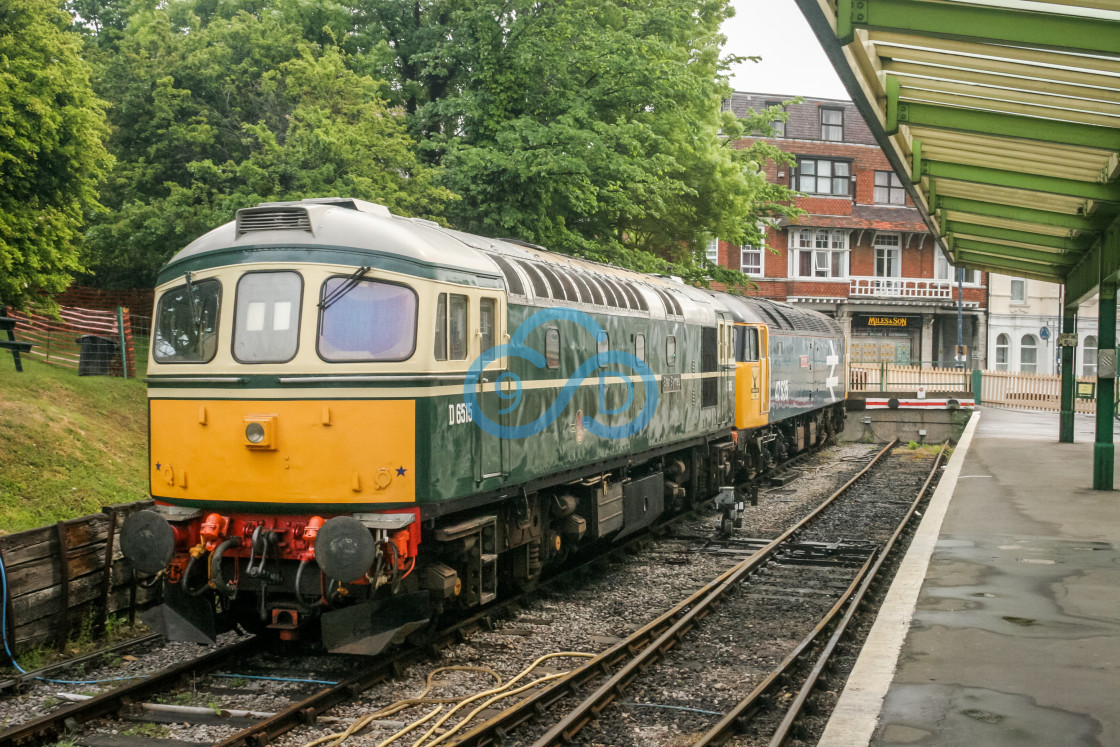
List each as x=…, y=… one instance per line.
x=1002, y=626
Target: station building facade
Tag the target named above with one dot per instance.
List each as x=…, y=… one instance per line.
x=1024, y=321
x=861, y=252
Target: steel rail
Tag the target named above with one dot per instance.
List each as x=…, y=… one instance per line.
x=636, y=651
x=850, y=602
x=20, y=680
x=802, y=696
x=53, y=724
x=308, y=710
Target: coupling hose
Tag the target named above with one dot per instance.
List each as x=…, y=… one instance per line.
x=187, y=576
x=217, y=580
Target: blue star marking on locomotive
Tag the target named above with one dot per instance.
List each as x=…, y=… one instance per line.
x=401, y=471
x=158, y=465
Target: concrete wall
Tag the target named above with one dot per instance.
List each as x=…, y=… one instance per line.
x=883, y=425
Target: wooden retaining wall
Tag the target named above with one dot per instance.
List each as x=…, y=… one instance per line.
x=69, y=575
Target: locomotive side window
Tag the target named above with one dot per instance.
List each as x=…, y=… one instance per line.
x=604, y=344
x=187, y=323
x=487, y=313
x=640, y=347
x=457, y=328
x=373, y=321
x=671, y=350
x=451, y=327
x=266, y=314
x=552, y=347
x=441, y=328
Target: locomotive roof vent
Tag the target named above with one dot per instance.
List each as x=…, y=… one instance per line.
x=273, y=218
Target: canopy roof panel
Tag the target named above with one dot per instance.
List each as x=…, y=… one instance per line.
x=1003, y=119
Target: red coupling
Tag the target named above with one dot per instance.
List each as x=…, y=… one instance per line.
x=312, y=529
x=213, y=529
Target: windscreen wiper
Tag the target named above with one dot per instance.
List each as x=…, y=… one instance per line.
x=348, y=285
x=196, y=318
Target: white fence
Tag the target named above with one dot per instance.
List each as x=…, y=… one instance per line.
x=999, y=388
x=888, y=377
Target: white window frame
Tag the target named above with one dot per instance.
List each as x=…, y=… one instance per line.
x=942, y=270
x=711, y=251
x=1003, y=350
x=755, y=267
x=888, y=252
x=1023, y=347
x=1021, y=297
x=1089, y=367
x=821, y=244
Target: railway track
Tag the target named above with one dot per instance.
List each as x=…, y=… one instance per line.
x=257, y=728
x=772, y=571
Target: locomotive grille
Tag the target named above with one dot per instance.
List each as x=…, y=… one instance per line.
x=273, y=219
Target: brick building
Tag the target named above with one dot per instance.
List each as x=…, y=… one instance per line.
x=862, y=252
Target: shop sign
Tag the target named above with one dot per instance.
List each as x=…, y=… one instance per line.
x=886, y=322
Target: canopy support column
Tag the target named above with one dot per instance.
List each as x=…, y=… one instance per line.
x=1069, y=378
x=1104, y=451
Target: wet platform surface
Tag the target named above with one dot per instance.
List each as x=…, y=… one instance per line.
x=1011, y=632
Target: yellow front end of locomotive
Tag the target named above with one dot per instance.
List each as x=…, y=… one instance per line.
x=283, y=453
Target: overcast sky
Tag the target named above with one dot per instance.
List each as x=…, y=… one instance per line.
x=793, y=62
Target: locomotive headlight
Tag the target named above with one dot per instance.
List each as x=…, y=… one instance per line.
x=254, y=433
x=260, y=432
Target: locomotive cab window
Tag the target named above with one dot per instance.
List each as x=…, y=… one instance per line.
x=671, y=350
x=187, y=323
x=746, y=344
x=451, y=327
x=640, y=347
x=372, y=321
x=487, y=319
x=552, y=347
x=266, y=314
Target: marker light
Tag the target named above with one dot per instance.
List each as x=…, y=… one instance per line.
x=254, y=433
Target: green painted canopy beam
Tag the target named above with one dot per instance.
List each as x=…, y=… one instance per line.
x=1109, y=192
x=977, y=23
x=1008, y=234
x=1011, y=266
x=1101, y=264
x=1051, y=131
x=1027, y=215
x=1015, y=252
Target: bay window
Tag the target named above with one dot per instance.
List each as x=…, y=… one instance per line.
x=820, y=253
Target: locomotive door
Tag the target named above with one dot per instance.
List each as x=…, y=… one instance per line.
x=490, y=456
x=726, y=371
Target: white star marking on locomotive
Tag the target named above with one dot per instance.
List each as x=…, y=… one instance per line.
x=832, y=360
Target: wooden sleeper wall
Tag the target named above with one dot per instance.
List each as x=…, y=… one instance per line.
x=42, y=610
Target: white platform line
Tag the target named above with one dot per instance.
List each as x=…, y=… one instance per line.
x=857, y=712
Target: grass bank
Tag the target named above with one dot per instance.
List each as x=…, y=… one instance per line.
x=69, y=444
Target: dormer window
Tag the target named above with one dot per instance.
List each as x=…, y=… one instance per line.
x=832, y=124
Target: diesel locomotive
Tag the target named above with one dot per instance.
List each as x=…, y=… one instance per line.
x=359, y=420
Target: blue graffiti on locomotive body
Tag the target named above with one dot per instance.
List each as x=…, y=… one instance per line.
x=517, y=348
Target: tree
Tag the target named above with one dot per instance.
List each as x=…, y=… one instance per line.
x=51, y=151
x=592, y=127
x=222, y=105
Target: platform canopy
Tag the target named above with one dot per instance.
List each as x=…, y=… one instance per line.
x=1003, y=117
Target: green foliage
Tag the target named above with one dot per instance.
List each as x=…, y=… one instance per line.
x=912, y=445
x=590, y=127
x=71, y=444
x=217, y=106
x=51, y=150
